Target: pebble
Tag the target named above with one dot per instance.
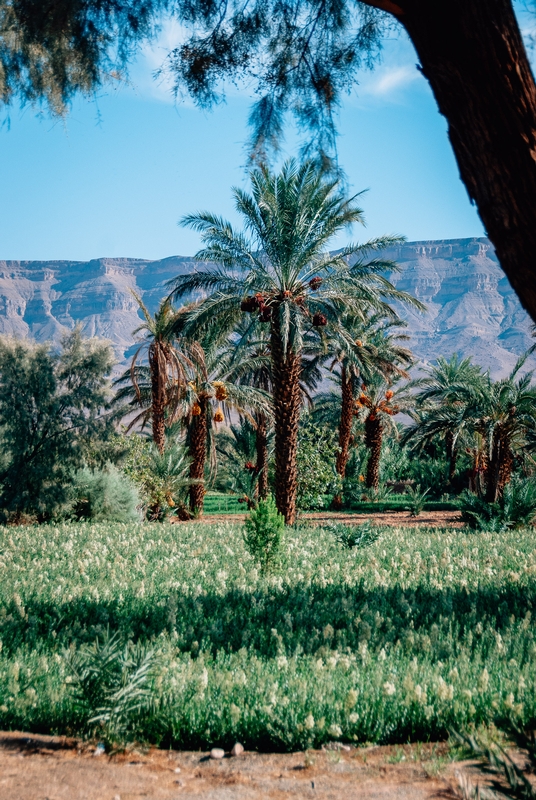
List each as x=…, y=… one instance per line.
x=217, y=752
x=237, y=750
x=178, y=769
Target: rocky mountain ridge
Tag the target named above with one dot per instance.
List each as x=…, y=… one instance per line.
x=471, y=306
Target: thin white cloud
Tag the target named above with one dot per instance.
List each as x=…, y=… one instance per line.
x=391, y=80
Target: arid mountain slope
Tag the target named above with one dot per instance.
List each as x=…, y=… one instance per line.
x=471, y=306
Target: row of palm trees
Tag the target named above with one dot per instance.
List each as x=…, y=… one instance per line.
x=276, y=310
x=494, y=422
x=276, y=306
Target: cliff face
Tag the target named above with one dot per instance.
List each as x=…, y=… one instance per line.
x=471, y=306
x=44, y=299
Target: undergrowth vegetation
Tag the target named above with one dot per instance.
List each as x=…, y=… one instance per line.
x=172, y=634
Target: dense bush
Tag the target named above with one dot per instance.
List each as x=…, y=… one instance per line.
x=104, y=495
x=317, y=478
x=162, y=479
x=514, y=509
x=52, y=407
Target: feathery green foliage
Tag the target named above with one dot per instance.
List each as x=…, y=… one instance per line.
x=104, y=495
x=263, y=532
x=52, y=408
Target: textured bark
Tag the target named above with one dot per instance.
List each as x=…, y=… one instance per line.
x=198, y=453
x=158, y=397
x=261, y=447
x=287, y=403
x=345, y=429
x=499, y=469
x=373, y=440
x=472, y=54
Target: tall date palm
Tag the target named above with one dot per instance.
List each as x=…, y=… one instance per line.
x=155, y=387
x=279, y=268
x=362, y=347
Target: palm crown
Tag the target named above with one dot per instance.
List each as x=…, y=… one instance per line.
x=279, y=269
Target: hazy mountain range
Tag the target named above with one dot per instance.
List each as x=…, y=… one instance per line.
x=471, y=307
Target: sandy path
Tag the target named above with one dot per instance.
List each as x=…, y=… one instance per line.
x=48, y=768
x=398, y=519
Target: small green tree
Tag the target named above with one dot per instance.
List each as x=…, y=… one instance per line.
x=263, y=532
x=52, y=406
x=317, y=476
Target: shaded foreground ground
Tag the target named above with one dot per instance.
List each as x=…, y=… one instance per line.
x=395, y=519
x=54, y=768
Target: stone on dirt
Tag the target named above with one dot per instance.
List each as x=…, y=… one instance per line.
x=237, y=750
x=217, y=752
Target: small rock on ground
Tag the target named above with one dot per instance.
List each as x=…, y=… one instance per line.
x=237, y=750
x=217, y=752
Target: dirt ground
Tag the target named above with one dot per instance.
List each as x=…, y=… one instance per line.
x=54, y=768
x=397, y=519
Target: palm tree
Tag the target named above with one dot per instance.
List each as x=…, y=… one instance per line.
x=205, y=401
x=249, y=363
x=279, y=269
x=495, y=417
x=156, y=387
x=377, y=405
x=502, y=413
x=363, y=347
x=442, y=412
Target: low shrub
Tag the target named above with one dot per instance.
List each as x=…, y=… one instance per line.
x=263, y=532
x=416, y=499
x=353, y=536
x=515, y=509
x=113, y=688
x=104, y=495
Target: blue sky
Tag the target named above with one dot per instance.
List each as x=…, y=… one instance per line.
x=114, y=178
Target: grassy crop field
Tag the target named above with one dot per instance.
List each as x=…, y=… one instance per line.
x=398, y=641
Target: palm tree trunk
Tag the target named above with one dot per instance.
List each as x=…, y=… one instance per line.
x=198, y=453
x=373, y=440
x=499, y=470
x=286, y=370
x=158, y=400
x=452, y=455
x=261, y=447
x=345, y=429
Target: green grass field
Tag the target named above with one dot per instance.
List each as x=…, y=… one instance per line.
x=421, y=631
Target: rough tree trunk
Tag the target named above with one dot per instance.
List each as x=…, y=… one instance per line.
x=373, y=440
x=198, y=453
x=345, y=429
x=499, y=469
x=158, y=401
x=472, y=54
x=261, y=448
x=287, y=404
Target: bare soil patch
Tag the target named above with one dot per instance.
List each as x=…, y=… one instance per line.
x=52, y=768
x=395, y=519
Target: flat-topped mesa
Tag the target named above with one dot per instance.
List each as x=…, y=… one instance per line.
x=471, y=306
